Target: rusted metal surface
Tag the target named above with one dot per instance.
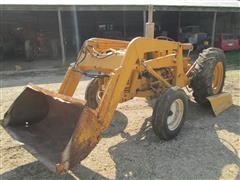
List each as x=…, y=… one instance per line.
x=52, y=127
x=220, y=102
x=85, y=137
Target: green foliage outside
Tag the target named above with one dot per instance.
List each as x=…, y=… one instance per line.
x=233, y=58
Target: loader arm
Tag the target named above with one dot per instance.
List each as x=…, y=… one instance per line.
x=94, y=121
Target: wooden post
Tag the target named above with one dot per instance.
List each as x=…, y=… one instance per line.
x=144, y=22
x=179, y=21
x=213, y=28
x=124, y=25
x=60, y=27
x=75, y=21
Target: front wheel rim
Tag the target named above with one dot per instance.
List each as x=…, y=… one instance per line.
x=99, y=95
x=175, y=114
x=217, y=77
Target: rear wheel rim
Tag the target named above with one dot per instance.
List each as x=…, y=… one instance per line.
x=175, y=114
x=217, y=78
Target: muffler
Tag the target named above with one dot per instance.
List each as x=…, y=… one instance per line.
x=58, y=130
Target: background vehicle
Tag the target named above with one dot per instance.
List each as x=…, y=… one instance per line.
x=14, y=42
x=192, y=34
x=46, y=45
x=6, y=45
x=106, y=29
x=23, y=41
x=227, y=42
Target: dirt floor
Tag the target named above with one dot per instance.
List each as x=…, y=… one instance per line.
x=18, y=64
x=208, y=147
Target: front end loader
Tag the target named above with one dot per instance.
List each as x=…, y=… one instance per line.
x=61, y=130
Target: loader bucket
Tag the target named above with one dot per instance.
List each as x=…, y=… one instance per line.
x=57, y=129
x=220, y=102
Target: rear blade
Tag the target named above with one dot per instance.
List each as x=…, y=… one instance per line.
x=220, y=102
x=52, y=127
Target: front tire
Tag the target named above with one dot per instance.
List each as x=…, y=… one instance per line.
x=92, y=93
x=169, y=113
x=210, y=75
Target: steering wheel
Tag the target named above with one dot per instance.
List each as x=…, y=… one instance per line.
x=165, y=38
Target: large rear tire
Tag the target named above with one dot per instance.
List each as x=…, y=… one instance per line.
x=210, y=75
x=54, y=48
x=169, y=113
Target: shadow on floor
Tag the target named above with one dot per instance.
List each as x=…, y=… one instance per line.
x=197, y=152
x=50, y=77
x=36, y=170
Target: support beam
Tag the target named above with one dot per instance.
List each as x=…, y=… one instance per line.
x=124, y=25
x=213, y=28
x=60, y=27
x=150, y=14
x=179, y=21
x=76, y=30
x=144, y=22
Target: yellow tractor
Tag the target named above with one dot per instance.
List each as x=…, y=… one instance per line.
x=61, y=131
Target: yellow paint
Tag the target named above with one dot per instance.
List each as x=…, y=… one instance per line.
x=217, y=77
x=70, y=82
x=220, y=102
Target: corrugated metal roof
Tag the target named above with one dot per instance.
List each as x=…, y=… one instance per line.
x=204, y=3
x=235, y=4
